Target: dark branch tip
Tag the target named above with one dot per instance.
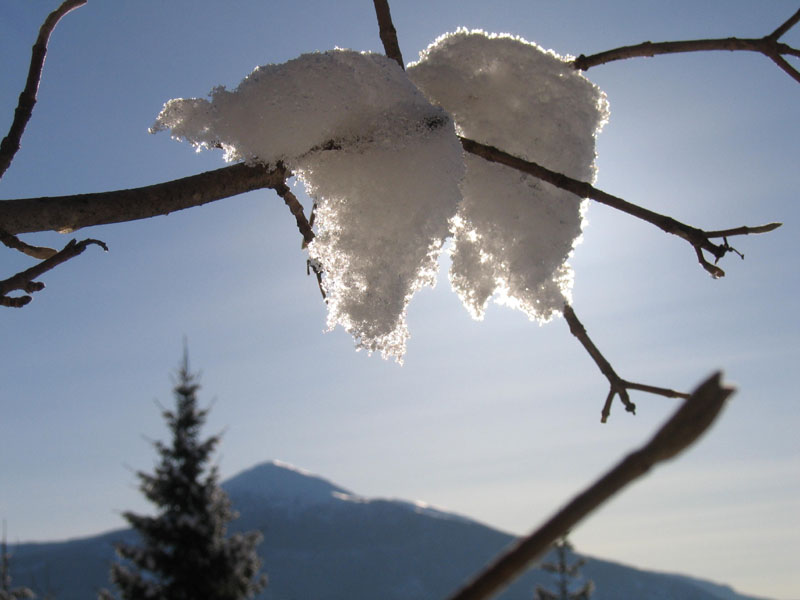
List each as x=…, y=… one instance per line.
x=100, y=243
x=15, y=301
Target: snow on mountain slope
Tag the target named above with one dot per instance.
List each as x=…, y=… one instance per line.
x=324, y=542
x=281, y=484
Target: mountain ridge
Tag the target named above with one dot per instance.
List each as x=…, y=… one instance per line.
x=322, y=541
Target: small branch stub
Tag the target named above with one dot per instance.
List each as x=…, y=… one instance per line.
x=24, y=281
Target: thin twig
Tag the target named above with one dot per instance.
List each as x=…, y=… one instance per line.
x=688, y=423
x=24, y=280
x=304, y=225
x=698, y=238
x=743, y=230
x=785, y=66
x=387, y=32
x=297, y=210
x=69, y=213
x=785, y=26
x=619, y=386
x=27, y=98
x=12, y=241
x=316, y=267
x=767, y=45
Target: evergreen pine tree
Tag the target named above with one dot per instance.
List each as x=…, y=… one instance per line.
x=6, y=591
x=564, y=572
x=184, y=553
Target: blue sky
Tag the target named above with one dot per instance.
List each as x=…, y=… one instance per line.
x=499, y=419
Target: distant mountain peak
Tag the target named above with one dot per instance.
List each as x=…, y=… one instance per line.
x=278, y=482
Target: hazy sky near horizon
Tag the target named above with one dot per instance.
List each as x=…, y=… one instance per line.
x=497, y=420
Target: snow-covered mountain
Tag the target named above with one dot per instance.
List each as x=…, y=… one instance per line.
x=323, y=542
x=279, y=484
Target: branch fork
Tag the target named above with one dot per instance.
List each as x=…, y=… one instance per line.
x=618, y=385
x=699, y=239
x=768, y=45
x=24, y=280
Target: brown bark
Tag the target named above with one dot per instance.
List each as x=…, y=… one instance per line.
x=27, y=99
x=769, y=46
x=688, y=423
x=68, y=213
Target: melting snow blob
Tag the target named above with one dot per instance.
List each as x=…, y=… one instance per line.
x=514, y=233
x=382, y=163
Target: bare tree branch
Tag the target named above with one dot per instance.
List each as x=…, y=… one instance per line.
x=619, y=386
x=68, y=213
x=387, y=32
x=688, y=423
x=743, y=230
x=297, y=210
x=24, y=280
x=785, y=66
x=12, y=241
x=27, y=99
x=768, y=46
x=304, y=225
x=699, y=239
x=785, y=26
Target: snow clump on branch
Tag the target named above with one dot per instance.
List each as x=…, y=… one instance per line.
x=513, y=233
x=381, y=162
x=381, y=158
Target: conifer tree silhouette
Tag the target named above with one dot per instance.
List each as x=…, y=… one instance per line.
x=184, y=553
x=565, y=573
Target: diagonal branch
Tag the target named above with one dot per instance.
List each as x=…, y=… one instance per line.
x=27, y=99
x=768, y=45
x=784, y=65
x=785, y=26
x=68, y=213
x=688, y=423
x=24, y=280
x=619, y=386
x=699, y=239
x=305, y=227
x=12, y=241
x=297, y=211
x=387, y=32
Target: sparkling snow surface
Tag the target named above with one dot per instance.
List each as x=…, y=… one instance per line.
x=384, y=194
x=382, y=161
x=514, y=233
